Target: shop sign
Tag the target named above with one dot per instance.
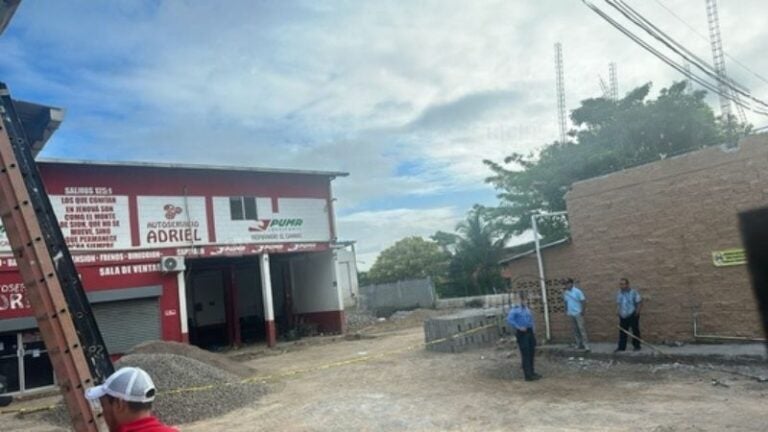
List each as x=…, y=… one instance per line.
x=172, y=221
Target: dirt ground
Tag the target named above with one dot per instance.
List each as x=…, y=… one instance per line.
x=480, y=391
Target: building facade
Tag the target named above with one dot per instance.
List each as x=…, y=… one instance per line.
x=213, y=256
x=671, y=228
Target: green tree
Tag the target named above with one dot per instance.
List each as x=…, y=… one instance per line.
x=608, y=136
x=477, y=248
x=409, y=258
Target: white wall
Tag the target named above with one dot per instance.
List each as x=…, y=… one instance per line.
x=314, y=283
x=346, y=274
x=312, y=212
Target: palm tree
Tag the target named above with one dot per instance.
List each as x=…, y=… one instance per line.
x=479, y=247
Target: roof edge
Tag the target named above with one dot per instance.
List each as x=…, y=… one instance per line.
x=140, y=164
x=532, y=251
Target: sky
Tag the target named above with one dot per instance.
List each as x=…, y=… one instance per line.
x=408, y=97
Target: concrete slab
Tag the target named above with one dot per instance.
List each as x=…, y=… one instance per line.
x=693, y=353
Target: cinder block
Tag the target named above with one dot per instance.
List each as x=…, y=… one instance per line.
x=463, y=331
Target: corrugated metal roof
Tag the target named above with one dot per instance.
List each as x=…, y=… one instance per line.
x=532, y=251
x=193, y=167
x=40, y=122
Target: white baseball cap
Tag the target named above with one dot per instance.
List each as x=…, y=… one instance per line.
x=130, y=384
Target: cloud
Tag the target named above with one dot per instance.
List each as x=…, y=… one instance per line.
x=377, y=230
x=463, y=111
x=409, y=97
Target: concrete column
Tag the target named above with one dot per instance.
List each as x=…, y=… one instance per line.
x=266, y=295
x=181, y=284
x=233, y=312
x=339, y=294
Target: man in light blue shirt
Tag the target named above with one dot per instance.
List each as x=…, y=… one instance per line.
x=628, y=306
x=520, y=318
x=575, y=305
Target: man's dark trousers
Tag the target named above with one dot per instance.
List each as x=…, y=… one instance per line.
x=526, y=341
x=630, y=323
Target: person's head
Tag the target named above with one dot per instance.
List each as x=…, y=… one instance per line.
x=522, y=296
x=125, y=396
x=569, y=283
x=624, y=283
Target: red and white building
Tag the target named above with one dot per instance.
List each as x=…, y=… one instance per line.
x=213, y=256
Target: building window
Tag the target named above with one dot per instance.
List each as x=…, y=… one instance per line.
x=242, y=208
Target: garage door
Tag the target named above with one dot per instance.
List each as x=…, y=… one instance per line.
x=127, y=323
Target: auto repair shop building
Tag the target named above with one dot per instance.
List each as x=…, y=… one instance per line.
x=213, y=256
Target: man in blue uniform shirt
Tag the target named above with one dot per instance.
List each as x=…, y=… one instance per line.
x=629, y=303
x=521, y=319
x=575, y=305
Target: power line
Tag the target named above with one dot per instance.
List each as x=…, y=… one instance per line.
x=725, y=85
x=704, y=67
x=661, y=56
x=675, y=46
x=696, y=32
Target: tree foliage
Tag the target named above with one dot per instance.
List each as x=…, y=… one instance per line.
x=608, y=136
x=476, y=248
x=409, y=258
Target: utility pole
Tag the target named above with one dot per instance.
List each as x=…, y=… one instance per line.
x=560, y=91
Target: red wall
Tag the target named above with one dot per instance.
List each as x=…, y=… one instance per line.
x=138, y=180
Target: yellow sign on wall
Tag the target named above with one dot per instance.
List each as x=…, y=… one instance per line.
x=729, y=257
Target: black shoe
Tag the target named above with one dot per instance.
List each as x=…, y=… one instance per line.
x=537, y=376
x=533, y=378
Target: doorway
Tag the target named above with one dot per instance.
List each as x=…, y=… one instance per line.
x=225, y=302
x=24, y=362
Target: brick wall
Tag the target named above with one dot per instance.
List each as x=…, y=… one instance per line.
x=658, y=225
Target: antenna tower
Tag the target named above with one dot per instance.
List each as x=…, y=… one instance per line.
x=560, y=90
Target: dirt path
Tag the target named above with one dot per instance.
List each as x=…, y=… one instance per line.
x=481, y=390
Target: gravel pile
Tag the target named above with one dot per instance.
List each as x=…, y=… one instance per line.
x=172, y=371
x=190, y=351
x=357, y=320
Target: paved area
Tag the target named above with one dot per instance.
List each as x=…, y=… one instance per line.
x=690, y=353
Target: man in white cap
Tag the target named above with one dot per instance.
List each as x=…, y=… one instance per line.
x=126, y=400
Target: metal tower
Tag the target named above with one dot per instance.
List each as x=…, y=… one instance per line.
x=560, y=90
x=614, y=80
x=718, y=58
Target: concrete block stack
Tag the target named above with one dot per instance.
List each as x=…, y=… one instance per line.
x=465, y=330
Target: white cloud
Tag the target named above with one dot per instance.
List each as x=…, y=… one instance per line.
x=409, y=97
x=377, y=230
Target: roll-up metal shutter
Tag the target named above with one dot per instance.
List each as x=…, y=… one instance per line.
x=127, y=323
